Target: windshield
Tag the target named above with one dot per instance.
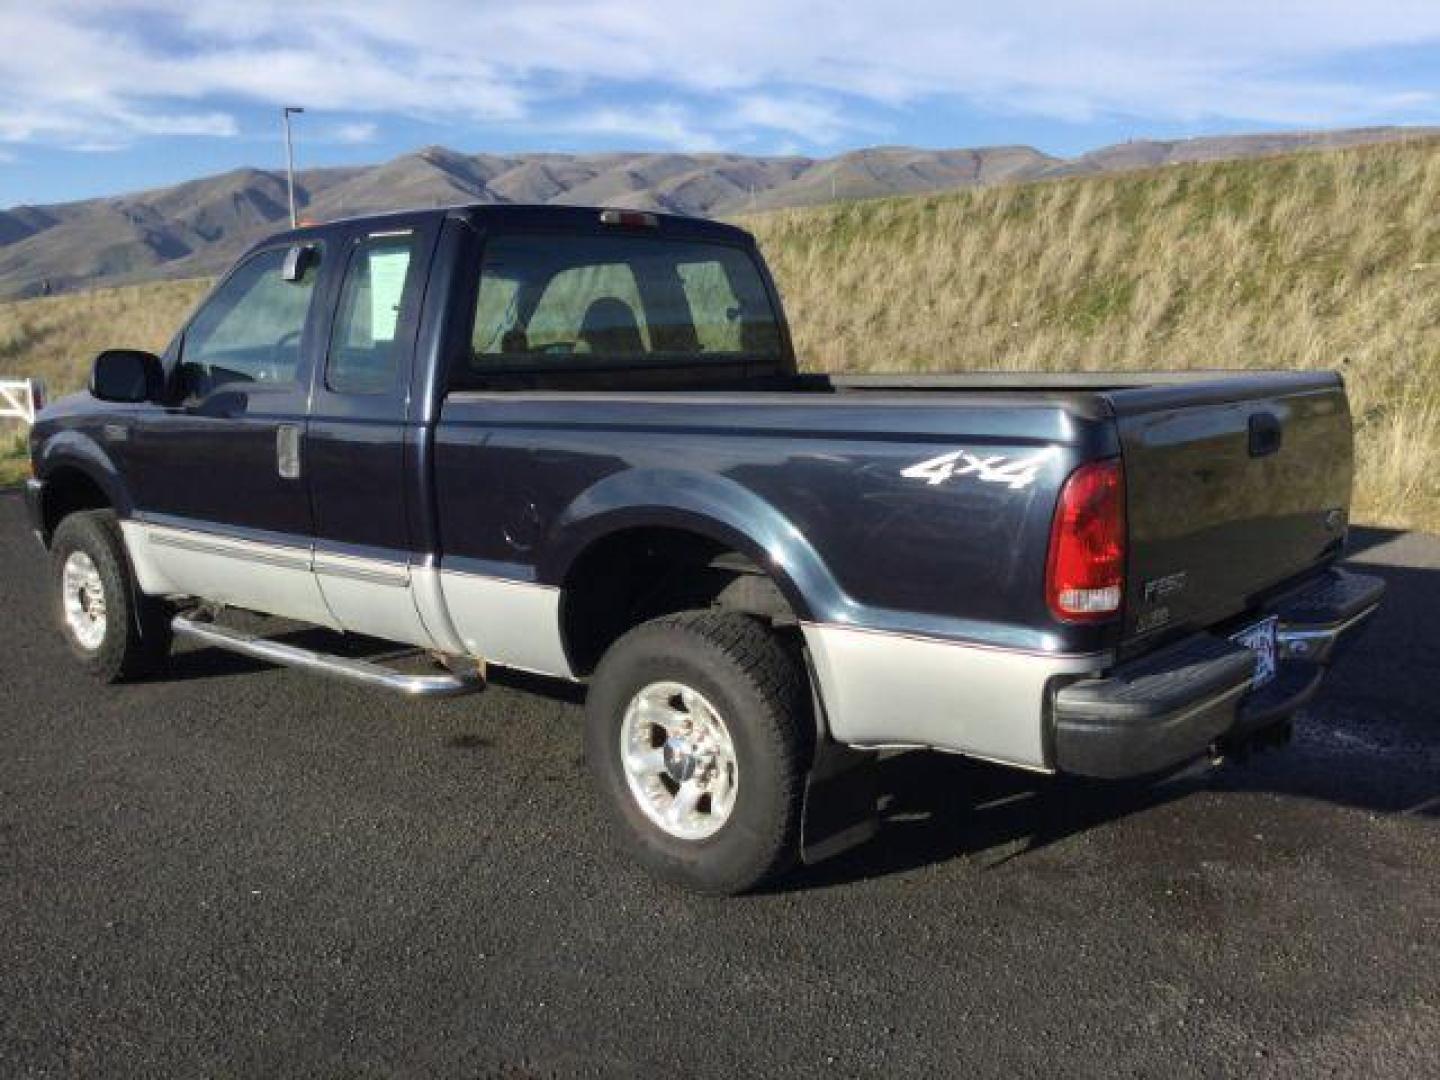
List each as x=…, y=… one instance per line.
x=576, y=301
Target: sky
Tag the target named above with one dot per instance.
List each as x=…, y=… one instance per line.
x=100, y=98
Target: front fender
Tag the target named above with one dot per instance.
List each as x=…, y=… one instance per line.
x=76, y=450
x=711, y=506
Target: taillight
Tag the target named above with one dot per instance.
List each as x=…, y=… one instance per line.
x=1085, y=576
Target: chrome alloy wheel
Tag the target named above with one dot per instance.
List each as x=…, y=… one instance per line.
x=679, y=760
x=84, y=600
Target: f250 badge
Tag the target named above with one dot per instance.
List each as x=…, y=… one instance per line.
x=991, y=469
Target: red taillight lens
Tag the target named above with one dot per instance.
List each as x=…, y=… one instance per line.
x=1085, y=578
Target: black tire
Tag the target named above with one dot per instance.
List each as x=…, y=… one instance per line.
x=759, y=688
x=137, y=632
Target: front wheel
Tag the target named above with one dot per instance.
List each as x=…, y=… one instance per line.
x=698, y=734
x=114, y=630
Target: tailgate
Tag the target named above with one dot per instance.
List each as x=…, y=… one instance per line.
x=1233, y=487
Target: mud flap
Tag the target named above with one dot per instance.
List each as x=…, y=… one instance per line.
x=841, y=797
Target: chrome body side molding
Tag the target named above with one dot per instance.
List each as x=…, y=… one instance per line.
x=374, y=597
x=273, y=578
x=341, y=592
x=353, y=568
x=883, y=689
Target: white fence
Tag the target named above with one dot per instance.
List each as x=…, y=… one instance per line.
x=21, y=399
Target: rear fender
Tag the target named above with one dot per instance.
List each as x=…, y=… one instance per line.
x=711, y=506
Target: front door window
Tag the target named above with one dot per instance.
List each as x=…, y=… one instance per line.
x=250, y=329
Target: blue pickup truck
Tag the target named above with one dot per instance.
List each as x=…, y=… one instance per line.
x=575, y=442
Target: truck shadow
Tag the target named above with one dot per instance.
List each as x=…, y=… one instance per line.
x=938, y=807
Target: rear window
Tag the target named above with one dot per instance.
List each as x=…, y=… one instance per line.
x=555, y=302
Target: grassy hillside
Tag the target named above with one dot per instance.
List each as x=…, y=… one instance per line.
x=56, y=338
x=1314, y=260
x=1324, y=260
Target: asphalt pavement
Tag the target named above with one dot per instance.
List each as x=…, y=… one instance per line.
x=236, y=870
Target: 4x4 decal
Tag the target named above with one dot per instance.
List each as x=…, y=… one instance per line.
x=990, y=469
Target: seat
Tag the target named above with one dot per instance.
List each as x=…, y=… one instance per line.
x=610, y=328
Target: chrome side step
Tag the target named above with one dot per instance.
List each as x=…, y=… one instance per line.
x=365, y=672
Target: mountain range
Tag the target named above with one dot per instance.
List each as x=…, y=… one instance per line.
x=198, y=227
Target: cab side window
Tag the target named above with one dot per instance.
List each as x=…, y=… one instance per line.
x=250, y=330
x=364, y=357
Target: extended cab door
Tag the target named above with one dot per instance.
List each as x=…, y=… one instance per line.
x=360, y=444
x=222, y=509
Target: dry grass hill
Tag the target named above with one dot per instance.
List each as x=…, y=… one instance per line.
x=197, y=228
x=1306, y=260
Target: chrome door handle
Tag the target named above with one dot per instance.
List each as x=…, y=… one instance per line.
x=287, y=451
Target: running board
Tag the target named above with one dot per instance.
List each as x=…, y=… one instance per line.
x=365, y=672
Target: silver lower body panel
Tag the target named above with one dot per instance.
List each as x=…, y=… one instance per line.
x=882, y=689
x=274, y=578
x=508, y=623
x=514, y=624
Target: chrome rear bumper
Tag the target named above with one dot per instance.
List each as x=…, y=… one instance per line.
x=1164, y=709
x=1315, y=621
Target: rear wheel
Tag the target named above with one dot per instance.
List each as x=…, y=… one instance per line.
x=114, y=630
x=698, y=734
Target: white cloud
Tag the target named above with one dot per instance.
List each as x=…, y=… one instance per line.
x=143, y=122
x=806, y=70
x=810, y=119
x=351, y=134
x=663, y=125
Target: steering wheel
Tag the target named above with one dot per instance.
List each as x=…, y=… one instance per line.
x=278, y=357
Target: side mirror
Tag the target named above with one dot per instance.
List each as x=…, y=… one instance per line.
x=298, y=261
x=128, y=376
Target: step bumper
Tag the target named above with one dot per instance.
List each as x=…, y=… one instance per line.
x=1174, y=705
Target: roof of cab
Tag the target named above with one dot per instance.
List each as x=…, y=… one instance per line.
x=524, y=216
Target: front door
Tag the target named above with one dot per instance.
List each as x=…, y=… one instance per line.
x=220, y=492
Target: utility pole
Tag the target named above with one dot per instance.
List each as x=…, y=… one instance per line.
x=287, y=112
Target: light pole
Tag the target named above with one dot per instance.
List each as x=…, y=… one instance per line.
x=290, y=159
